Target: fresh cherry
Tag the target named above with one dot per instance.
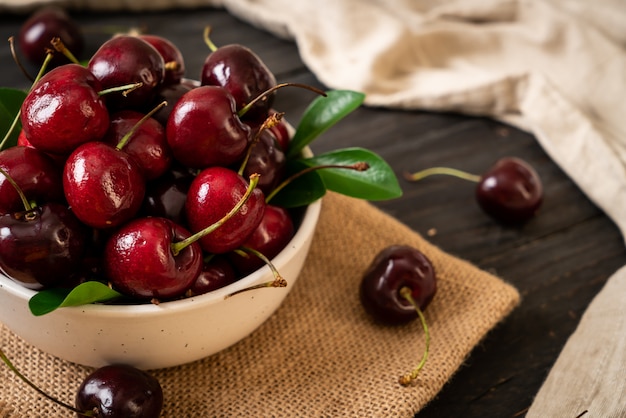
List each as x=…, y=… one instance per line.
x=267, y=159
x=120, y=391
x=41, y=27
x=147, y=144
x=242, y=73
x=41, y=247
x=269, y=238
x=172, y=56
x=36, y=174
x=103, y=185
x=213, y=193
x=511, y=191
x=204, y=129
x=64, y=110
x=166, y=195
x=126, y=60
x=216, y=273
x=141, y=262
x=396, y=287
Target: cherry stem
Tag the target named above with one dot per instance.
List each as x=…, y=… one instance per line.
x=359, y=166
x=18, y=189
x=263, y=96
x=278, y=281
x=405, y=380
x=42, y=71
x=272, y=120
x=125, y=89
x=10, y=365
x=207, y=39
x=17, y=60
x=441, y=170
x=177, y=247
x=136, y=126
x=59, y=46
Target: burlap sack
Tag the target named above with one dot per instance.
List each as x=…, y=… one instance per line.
x=319, y=355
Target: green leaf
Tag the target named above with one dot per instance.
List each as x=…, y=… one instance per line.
x=321, y=114
x=48, y=300
x=378, y=182
x=301, y=191
x=10, y=103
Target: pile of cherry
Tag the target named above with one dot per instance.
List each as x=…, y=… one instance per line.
x=125, y=159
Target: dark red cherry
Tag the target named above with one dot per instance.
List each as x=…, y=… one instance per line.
x=120, y=391
x=170, y=93
x=103, y=185
x=214, y=193
x=44, y=25
x=510, y=191
x=394, y=268
x=243, y=74
x=166, y=195
x=41, y=247
x=268, y=160
x=147, y=146
x=216, y=272
x=141, y=262
x=172, y=56
x=125, y=60
x=36, y=174
x=64, y=110
x=269, y=238
x=204, y=129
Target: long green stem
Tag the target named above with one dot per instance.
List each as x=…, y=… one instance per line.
x=441, y=170
x=136, y=126
x=405, y=380
x=177, y=247
x=207, y=39
x=8, y=362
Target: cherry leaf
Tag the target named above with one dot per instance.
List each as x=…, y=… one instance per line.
x=10, y=104
x=378, y=182
x=321, y=114
x=48, y=300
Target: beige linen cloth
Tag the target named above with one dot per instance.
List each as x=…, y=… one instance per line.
x=556, y=68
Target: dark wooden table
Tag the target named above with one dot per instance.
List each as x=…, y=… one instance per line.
x=558, y=261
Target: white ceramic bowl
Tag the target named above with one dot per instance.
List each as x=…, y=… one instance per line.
x=157, y=336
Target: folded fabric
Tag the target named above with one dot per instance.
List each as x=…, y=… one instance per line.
x=320, y=354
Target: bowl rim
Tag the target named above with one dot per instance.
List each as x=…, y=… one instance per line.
x=304, y=232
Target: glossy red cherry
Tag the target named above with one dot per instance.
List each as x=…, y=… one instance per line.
x=120, y=391
x=147, y=146
x=125, y=60
x=216, y=273
x=212, y=195
x=41, y=247
x=44, y=25
x=269, y=238
x=204, y=129
x=510, y=191
x=394, y=268
x=103, y=185
x=140, y=261
x=64, y=110
x=36, y=174
x=243, y=74
x=172, y=56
